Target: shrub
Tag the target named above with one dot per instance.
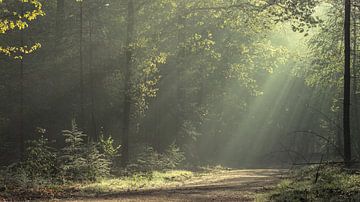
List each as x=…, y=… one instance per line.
x=80, y=161
x=172, y=157
x=97, y=165
x=73, y=163
x=108, y=148
x=40, y=161
x=147, y=159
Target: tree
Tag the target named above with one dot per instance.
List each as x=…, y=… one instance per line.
x=347, y=83
x=17, y=17
x=81, y=67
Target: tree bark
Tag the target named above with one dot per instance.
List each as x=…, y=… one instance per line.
x=347, y=83
x=92, y=81
x=60, y=17
x=81, y=70
x=21, y=134
x=21, y=114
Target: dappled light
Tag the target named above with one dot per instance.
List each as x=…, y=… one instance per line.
x=179, y=100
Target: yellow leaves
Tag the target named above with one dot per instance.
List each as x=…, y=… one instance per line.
x=202, y=44
x=20, y=21
x=18, y=52
x=150, y=72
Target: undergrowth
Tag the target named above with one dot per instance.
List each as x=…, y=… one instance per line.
x=155, y=179
x=327, y=183
x=86, y=166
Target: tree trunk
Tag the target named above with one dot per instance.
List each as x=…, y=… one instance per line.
x=127, y=89
x=21, y=114
x=92, y=82
x=347, y=83
x=93, y=128
x=60, y=17
x=82, y=96
x=21, y=138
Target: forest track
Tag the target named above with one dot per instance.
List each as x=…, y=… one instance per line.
x=229, y=185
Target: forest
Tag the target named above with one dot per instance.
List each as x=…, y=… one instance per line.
x=180, y=100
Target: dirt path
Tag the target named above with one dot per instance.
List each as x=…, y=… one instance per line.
x=232, y=185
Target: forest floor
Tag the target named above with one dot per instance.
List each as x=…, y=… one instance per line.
x=216, y=185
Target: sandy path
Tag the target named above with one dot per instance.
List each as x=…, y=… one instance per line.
x=232, y=185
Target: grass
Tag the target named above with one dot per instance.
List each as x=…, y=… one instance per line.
x=106, y=186
x=333, y=184
x=139, y=181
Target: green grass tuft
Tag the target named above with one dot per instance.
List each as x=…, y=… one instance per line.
x=138, y=181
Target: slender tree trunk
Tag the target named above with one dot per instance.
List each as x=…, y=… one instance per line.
x=21, y=137
x=82, y=96
x=347, y=83
x=60, y=16
x=127, y=91
x=21, y=115
x=59, y=30
x=92, y=81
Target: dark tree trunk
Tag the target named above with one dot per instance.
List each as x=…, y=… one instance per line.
x=21, y=114
x=60, y=17
x=92, y=82
x=21, y=138
x=82, y=96
x=127, y=91
x=347, y=83
x=59, y=30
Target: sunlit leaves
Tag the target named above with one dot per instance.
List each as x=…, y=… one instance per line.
x=261, y=56
x=19, y=19
x=18, y=52
x=299, y=13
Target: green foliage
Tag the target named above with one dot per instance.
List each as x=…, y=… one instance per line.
x=333, y=184
x=108, y=147
x=18, y=19
x=80, y=161
x=73, y=161
x=97, y=165
x=40, y=167
x=147, y=159
x=45, y=166
x=173, y=157
x=41, y=159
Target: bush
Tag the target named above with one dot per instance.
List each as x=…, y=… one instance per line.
x=97, y=165
x=108, y=148
x=73, y=162
x=172, y=157
x=81, y=162
x=38, y=169
x=44, y=165
x=147, y=159
x=41, y=159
